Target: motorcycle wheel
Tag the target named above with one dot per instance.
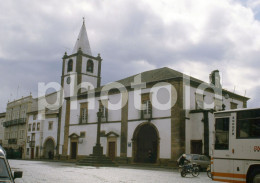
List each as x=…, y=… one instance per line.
x=195, y=172
x=183, y=173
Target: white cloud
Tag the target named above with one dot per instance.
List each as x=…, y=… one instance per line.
x=194, y=37
x=142, y=65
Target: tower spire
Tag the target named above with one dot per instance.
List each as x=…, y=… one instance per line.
x=82, y=41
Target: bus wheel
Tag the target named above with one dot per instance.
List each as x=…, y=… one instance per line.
x=255, y=176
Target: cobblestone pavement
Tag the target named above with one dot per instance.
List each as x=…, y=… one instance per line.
x=53, y=172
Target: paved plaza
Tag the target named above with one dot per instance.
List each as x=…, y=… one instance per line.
x=53, y=172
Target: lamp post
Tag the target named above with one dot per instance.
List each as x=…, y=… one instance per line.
x=98, y=149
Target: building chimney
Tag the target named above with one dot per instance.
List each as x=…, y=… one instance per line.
x=214, y=78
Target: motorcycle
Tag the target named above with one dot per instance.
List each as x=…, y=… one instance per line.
x=193, y=169
x=209, y=171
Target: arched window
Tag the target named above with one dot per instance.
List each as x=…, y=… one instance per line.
x=90, y=66
x=70, y=65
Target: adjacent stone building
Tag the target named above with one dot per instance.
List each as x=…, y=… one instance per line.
x=42, y=129
x=2, y=120
x=14, y=140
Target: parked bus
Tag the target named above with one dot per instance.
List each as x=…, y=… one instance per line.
x=236, y=151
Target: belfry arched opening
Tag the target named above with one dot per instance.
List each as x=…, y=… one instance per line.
x=146, y=144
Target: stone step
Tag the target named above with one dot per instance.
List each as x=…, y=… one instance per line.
x=96, y=161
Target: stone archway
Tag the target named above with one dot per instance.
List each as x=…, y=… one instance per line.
x=146, y=143
x=49, y=146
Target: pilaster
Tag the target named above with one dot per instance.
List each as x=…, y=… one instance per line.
x=66, y=129
x=177, y=123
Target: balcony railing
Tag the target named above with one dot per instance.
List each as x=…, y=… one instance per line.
x=14, y=122
x=12, y=141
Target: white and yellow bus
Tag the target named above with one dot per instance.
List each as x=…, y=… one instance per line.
x=236, y=148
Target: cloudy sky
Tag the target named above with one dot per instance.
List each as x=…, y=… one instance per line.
x=194, y=37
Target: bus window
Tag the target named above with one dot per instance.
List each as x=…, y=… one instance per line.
x=222, y=133
x=248, y=128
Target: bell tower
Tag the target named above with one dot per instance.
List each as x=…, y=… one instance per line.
x=80, y=67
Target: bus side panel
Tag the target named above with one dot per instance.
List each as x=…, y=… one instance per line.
x=223, y=170
x=240, y=170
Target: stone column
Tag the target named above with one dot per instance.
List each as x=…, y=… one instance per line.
x=124, y=129
x=98, y=149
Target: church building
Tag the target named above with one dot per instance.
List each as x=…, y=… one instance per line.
x=150, y=117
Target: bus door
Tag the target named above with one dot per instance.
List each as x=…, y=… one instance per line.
x=223, y=163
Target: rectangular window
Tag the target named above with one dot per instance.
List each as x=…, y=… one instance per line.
x=16, y=134
x=38, y=126
x=30, y=127
x=33, y=136
x=6, y=135
x=222, y=134
x=33, y=128
x=50, y=125
x=233, y=105
x=82, y=134
x=28, y=139
x=83, y=113
x=21, y=134
x=248, y=124
x=248, y=128
x=146, y=106
x=34, y=117
x=27, y=151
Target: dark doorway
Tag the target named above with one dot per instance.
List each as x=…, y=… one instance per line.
x=32, y=153
x=49, y=148
x=146, y=143
x=73, y=153
x=37, y=152
x=112, y=150
x=196, y=146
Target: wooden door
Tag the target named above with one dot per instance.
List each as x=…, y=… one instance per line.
x=196, y=147
x=73, y=153
x=112, y=150
x=37, y=152
x=32, y=153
